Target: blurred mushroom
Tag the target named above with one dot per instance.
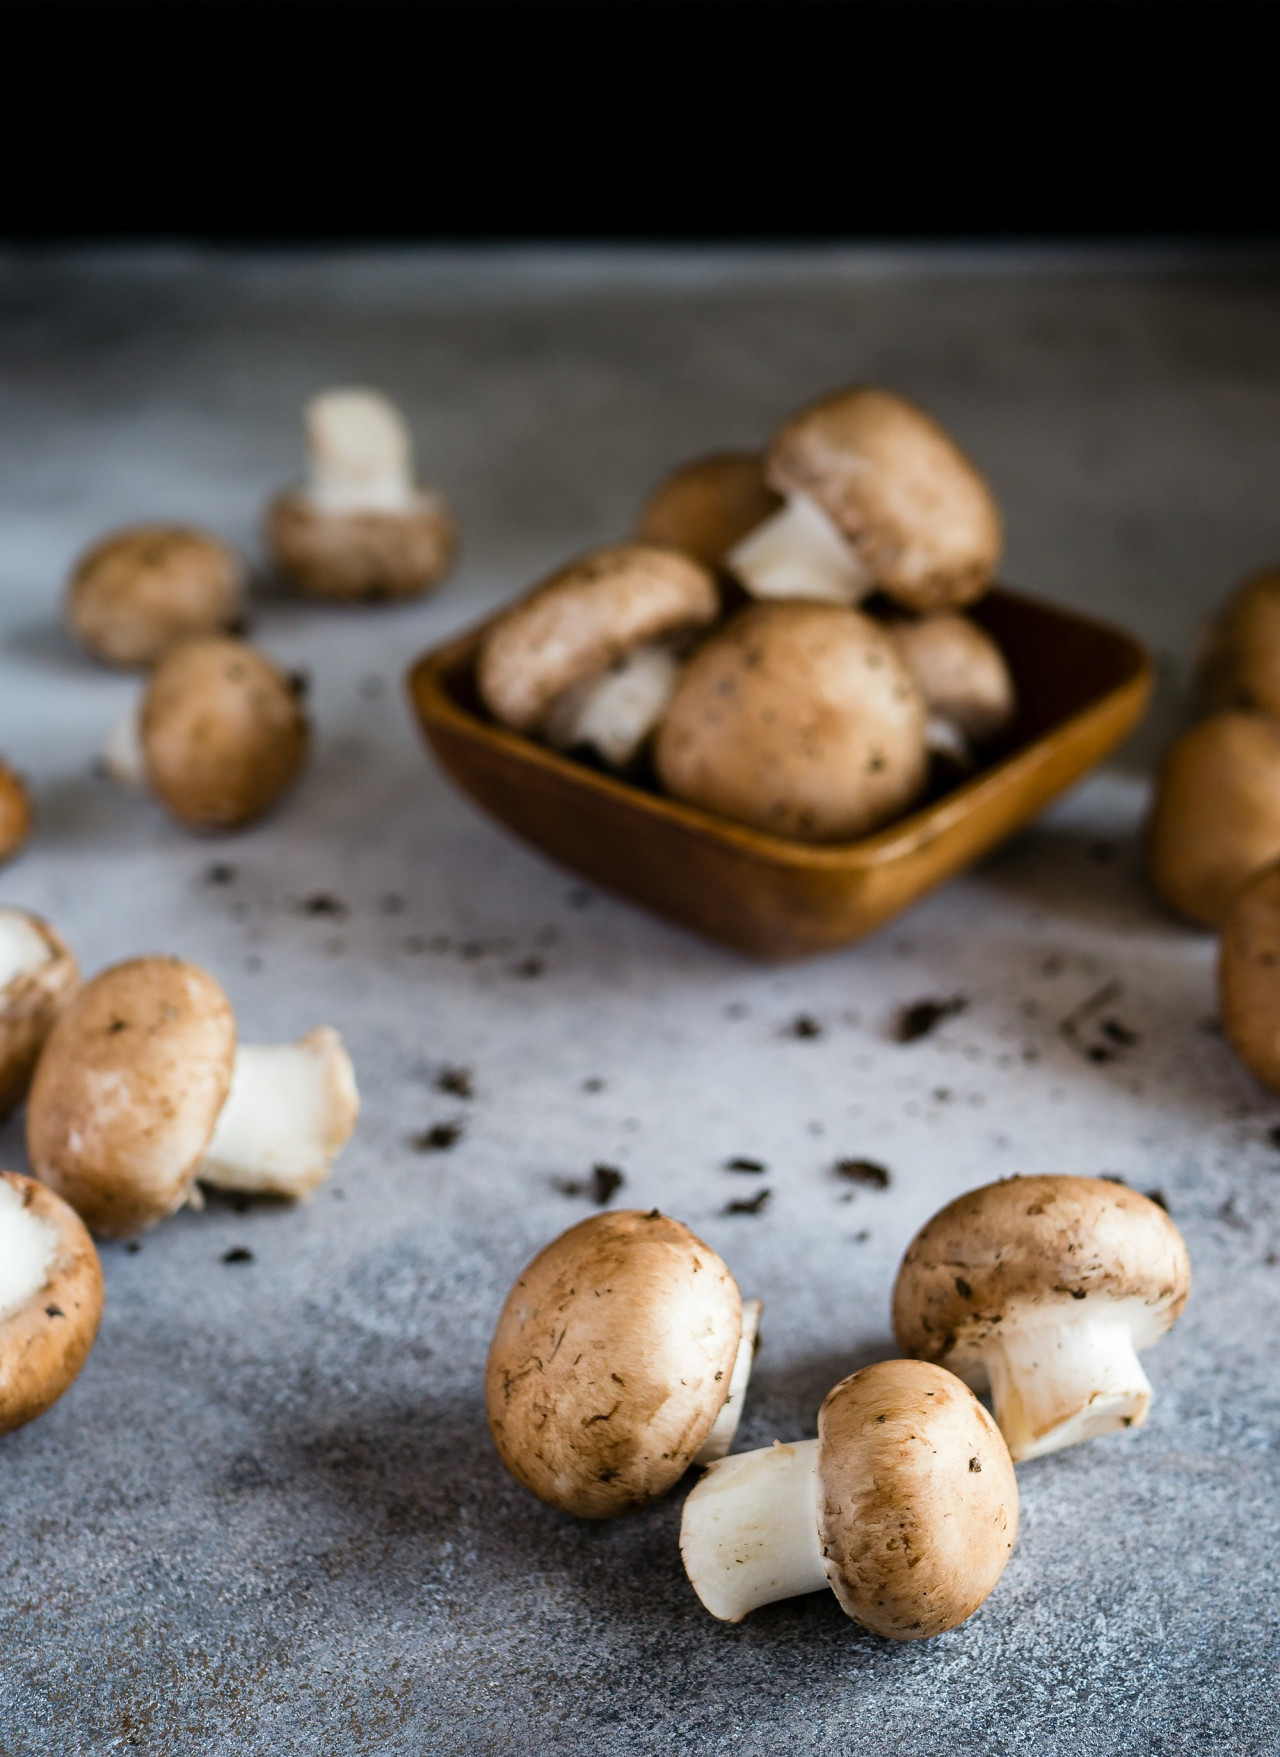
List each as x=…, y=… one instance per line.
x=1045, y=1288
x=141, y=591
x=705, y=507
x=961, y=673
x=50, y=1298
x=1240, y=658
x=15, y=813
x=37, y=976
x=141, y=1092
x=906, y=1505
x=797, y=718
x=1249, y=975
x=363, y=529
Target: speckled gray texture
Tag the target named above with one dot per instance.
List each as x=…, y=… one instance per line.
x=268, y=1517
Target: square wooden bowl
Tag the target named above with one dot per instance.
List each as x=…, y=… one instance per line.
x=1082, y=686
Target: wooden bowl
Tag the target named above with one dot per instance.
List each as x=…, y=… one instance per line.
x=1082, y=686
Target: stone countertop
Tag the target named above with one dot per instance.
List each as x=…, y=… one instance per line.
x=268, y=1516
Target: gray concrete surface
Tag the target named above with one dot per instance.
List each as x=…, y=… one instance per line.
x=268, y=1517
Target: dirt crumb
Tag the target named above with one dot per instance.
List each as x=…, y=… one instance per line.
x=865, y=1171
x=750, y=1204
x=920, y=1018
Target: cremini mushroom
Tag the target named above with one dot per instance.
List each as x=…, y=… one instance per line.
x=877, y=496
x=142, y=1092
x=139, y=592
x=590, y=656
x=362, y=528
x=622, y=1355
x=15, y=813
x=706, y=507
x=1045, y=1288
x=50, y=1298
x=1215, y=819
x=37, y=976
x=1240, y=657
x=962, y=674
x=797, y=718
x=1249, y=975
x=906, y=1506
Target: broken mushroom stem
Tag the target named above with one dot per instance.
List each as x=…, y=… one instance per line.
x=1055, y=1384
x=360, y=453
x=800, y=553
x=290, y=1109
x=750, y=1530
x=614, y=711
x=725, y=1426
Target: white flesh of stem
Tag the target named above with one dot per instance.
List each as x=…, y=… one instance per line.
x=28, y=1246
x=1056, y=1384
x=616, y=710
x=23, y=948
x=719, y=1440
x=945, y=739
x=291, y=1109
x=749, y=1533
x=361, y=454
x=799, y=553
x=122, y=753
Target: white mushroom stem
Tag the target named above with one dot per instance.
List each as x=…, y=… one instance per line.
x=28, y=1246
x=614, y=711
x=290, y=1111
x=122, y=753
x=944, y=738
x=1057, y=1383
x=23, y=948
x=749, y=1532
x=799, y=553
x=361, y=454
x=725, y=1426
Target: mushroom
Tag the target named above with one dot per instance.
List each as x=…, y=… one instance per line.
x=706, y=507
x=590, y=655
x=220, y=734
x=1240, y=658
x=877, y=495
x=962, y=675
x=141, y=591
x=142, y=1091
x=1216, y=815
x=622, y=1354
x=37, y=975
x=50, y=1298
x=1249, y=975
x=796, y=718
x=15, y=813
x=906, y=1505
x=1045, y=1288
x=363, y=528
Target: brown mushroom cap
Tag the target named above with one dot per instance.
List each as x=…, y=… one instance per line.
x=917, y=1499
x=707, y=506
x=905, y=497
x=361, y=557
x=1249, y=975
x=960, y=672
x=1240, y=663
x=582, y=618
x=1215, y=819
x=128, y=1090
x=1036, y=1243
x=224, y=733
x=139, y=592
x=46, y=1341
x=611, y=1361
x=15, y=813
x=29, y=1003
x=798, y=718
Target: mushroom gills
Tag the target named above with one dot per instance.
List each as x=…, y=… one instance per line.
x=749, y=1532
x=290, y=1111
x=799, y=553
x=122, y=754
x=1062, y=1381
x=23, y=948
x=360, y=453
x=725, y=1426
x=614, y=711
x=28, y=1246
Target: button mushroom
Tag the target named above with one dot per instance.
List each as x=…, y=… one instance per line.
x=1240, y=661
x=877, y=495
x=363, y=528
x=621, y=1355
x=962, y=675
x=706, y=507
x=906, y=1505
x=796, y=718
x=589, y=656
x=1249, y=975
x=1045, y=1288
x=141, y=591
x=37, y=975
x=15, y=813
x=50, y=1298
x=1216, y=815
x=141, y=1091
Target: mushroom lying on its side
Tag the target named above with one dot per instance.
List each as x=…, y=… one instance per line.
x=1249, y=976
x=1240, y=659
x=15, y=813
x=706, y=507
x=141, y=1092
x=800, y=719
x=877, y=496
x=141, y=591
x=962, y=675
x=363, y=529
x=590, y=656
x=1045, y=1288
x=906, y=1505
x=37, y=976
x=50, y=1298
x=621, y=1356
x=1215, y=819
